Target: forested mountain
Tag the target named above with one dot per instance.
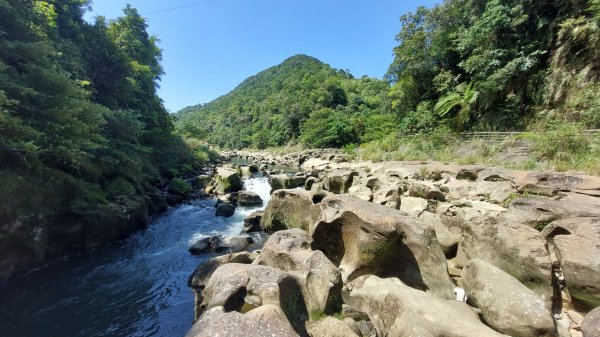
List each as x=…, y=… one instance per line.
x=85, y=139
x=300, y=99
x=461, y=65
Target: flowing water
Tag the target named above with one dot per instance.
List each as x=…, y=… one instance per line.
x=134, y=287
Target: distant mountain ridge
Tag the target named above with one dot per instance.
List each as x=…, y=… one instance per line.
x=274, y=106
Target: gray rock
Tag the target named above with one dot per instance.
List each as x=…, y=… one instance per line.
x=577, y=246
x=339, y=181
x=513, y=247
x=329, y=327
x=252, y=222
x=361, y=192
x=413, y=206
x=204, y=245
x=235, y=243
x=591, y=324
x=365, y=238
x=426, y=190
x=398, y=310
x=234, y=286
x=227, y=180
x=506, y=305
x=225, y=210
x=283, y=181
x=320, y=281
x=288, y=209
x=265, y=321
x=249, y=198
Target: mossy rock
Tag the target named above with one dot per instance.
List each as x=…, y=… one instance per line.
x=179, y=186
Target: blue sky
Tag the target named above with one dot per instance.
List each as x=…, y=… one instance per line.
x=212, y=46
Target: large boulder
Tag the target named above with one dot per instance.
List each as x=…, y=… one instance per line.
x=236, y=286
x=577, y=246
x=329, y=327
x=413, y=206
x=399, y=310
x=591, y=324
x=339, y=181
x=265, y=321
x=361, y=192
x=249, y=198
x=448, y=229
x=227, y=180
x=289, y=209
x=539, y=211
x=290, y=251
x=364, y=238
x=513, y=247
x=506, y=304
x=199, y=278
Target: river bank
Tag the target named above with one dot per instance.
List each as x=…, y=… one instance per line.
x=360, y=247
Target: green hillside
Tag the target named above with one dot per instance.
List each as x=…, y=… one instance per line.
x=302, y=99
x=462, y=65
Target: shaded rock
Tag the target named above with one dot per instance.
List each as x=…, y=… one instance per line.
x=513, y=247
x=320, y=281
x=248, y=198
x=203, y=272
x=339, y=181
x=283, y=181
x=447, y=230
x=288, y=209
x=577, y=246
x=235, y=243
x=201, y=181
x=494, y=191
x=329, y=327
x=348, y=311
x=227, y=180
x=233, y=286
x=399, y=310
x=204, y=245
x=367, y=329
x=506, y=305
x=225, y=210
x=252, y=222
x=467, y=174
x=309, y=182
x=265, y=321
x=426, y=190
x=591, y=324
x=362, y=238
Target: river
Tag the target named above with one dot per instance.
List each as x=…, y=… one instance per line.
x=133, y=287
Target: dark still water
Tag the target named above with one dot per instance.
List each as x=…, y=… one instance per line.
x=135, y=287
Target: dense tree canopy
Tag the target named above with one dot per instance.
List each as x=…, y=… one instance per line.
x=82, y=128
x=462, y=64
x=296, y=100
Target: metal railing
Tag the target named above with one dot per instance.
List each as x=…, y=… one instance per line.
x=491, y=135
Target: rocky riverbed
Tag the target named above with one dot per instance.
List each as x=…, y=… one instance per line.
x=407, y=249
